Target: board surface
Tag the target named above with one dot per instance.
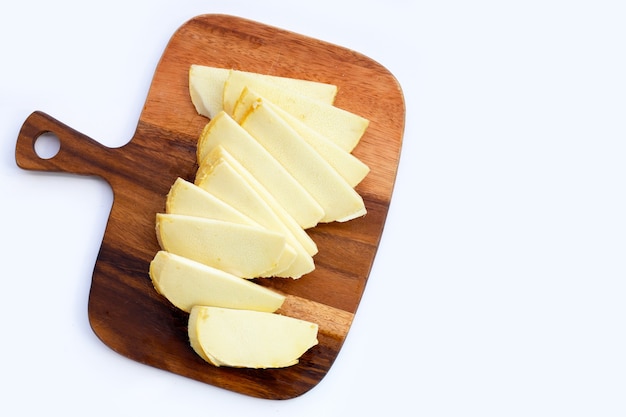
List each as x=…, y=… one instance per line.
x=124, y=309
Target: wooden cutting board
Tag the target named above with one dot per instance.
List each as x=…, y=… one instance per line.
x=124, y=309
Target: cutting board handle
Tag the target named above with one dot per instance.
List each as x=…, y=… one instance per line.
x=78, y=153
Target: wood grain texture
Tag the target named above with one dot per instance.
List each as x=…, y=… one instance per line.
x=124, y=310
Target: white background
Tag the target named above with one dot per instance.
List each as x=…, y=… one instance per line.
x=499, y=285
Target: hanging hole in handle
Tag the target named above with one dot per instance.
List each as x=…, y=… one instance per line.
x=47, y=145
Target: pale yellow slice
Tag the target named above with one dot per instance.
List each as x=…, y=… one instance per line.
x=249, y=339
x=186, y=283
x=338, y=199
x=341, y=126
x=223, y=131
x=277, y=217
x=218, y=176
x=352, y=169
x=206, y=87
x=187, y=198
x=242, y=250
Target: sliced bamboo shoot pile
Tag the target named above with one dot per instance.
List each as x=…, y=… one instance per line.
x=225, y=132
x=341, y=126
x=206, y=87
x=221, y=176
x=352, y=169
x=339, y=200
